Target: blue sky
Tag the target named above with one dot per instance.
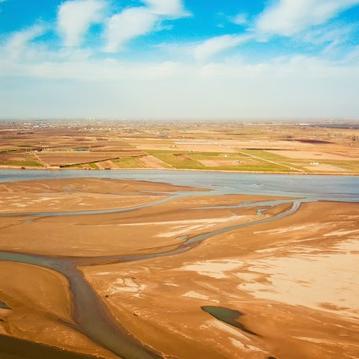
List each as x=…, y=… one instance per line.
x=179, y=59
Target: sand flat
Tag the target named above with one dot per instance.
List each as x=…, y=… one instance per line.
x=40, y=305
x=289, y=278
x=276, y=270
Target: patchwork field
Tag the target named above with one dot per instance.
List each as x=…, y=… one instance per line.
x=268, y=148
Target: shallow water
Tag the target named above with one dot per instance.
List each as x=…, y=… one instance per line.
x=342, y=188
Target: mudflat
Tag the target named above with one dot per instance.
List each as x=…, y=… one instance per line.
x=294, y=281
x=175, y=271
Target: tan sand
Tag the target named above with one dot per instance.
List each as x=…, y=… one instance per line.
x=79, y=194
x=40, y=303
x=294, y=280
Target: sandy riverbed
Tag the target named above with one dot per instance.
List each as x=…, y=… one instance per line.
x=40, y=308
x=294, y=279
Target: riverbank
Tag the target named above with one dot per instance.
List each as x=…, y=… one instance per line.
x=301, y=173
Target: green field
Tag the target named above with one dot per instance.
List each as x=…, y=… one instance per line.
x=179, y=160
x=129, y=162
x=247, y=160
x=26, y=163
x=192, y=160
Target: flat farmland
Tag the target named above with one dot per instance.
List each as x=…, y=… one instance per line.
x=70, y=158
x=317, y=148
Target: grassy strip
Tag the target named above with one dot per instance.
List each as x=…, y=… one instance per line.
x=129, y=162
x=89, y=163
x=179, y=160
x=26, y=163
x=280, y=161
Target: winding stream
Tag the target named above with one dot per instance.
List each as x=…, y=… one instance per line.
x=91, y=315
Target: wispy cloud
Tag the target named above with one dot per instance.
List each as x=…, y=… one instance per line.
x=75, y=18
x=127, y=25
x=167, y=8
x=240, y=19
x=138, y=21
x=315, y=74
x=290, y=17
x=216, y=45
x=330, y=36
x=18, y=42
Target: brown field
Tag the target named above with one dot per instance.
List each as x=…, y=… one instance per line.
x=294, y=280
x=313, y=148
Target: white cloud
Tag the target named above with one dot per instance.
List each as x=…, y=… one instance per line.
x=216, y=45
x=330, y=36
x=75, y=18
x=137, y=21
x=18, y=41
x=55, y=83
x=67, y=84
x=167, y=8
x=127, y=25
x=289, y=17
x=240, y=19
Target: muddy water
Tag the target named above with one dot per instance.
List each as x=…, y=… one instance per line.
x=90, y=313
x=341, y=188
